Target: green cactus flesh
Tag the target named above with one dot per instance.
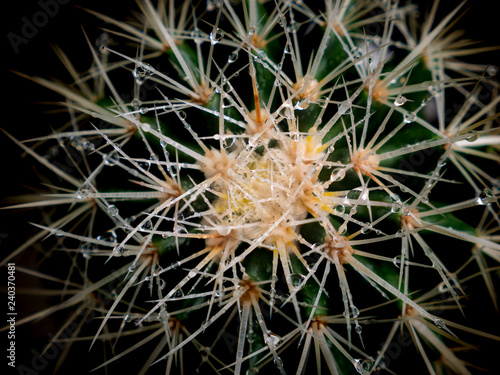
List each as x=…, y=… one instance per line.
x=294, y=192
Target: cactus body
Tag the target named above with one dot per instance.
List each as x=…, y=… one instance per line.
x=286, y=190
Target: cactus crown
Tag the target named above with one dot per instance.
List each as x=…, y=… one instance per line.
x=279, y=181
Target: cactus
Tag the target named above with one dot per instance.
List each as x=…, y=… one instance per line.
x=263, y=187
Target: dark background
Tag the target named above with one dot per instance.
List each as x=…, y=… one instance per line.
x=23, y=117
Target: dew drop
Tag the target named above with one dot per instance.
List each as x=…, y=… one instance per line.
x=485, y=198
x=145, y=126
x=278, y=362
x=181, y=229
x=297, y=280
x=228, y=142
x=108, y=160
x=473, y=137
x=286, y=111
x=147, y=225
x=426, y=101
x=439, y=323
x=197, y=35
x=442, y=161
x=340, y=208
x=223, y=230
x=112, y=210
x=409, y=118
x=400, y=100
x=83, y=193
x=492, y=71
x=216, y=37
x=89, y=146
x=272, y=339
x=178, y=294
x=366, y=229
x=338, y=174
x=232, y=57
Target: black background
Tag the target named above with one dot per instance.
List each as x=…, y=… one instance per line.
x=24, y=118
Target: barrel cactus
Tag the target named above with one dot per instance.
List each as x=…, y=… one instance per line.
x=266, y=187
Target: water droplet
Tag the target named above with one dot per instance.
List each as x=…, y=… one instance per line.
x=439, y=323
x=131, y=268
x=492, y=70
x=426, y=101
x=353, y=314
x=486, y=197
x=143, y=111
x=232, y=57
x=197, y=35
x=89, y=146
x=216, y=37
x=58, y=232
x=112, y=210
x=163, y=316
x=272, y=339
x=83, y=193
x=278, y=362
x=400, y=100
x=356, y=52
x=223, y=230
x=251, y=336
x=366, y=229
x=409, y=118
x=297, y=280
x=301, y=104
x=286, y=111
x=338, y=174
x=252, y=30
x=288, y=49
x=181, y=229
x=252, y=371
x=396, y=208
x=364, y=366
x=473, y=137
x=442, y=161
x=108, y=160
x=178, y=294
x=145, y=127
x=292, y=27
x=228, y=142
x=396, y=260
x=340, y=208
x=147, y=225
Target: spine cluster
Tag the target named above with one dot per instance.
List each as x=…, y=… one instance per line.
x=292, y=196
